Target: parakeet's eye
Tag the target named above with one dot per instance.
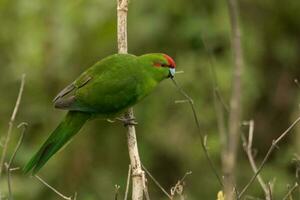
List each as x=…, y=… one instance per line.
x=166, y=61
x=159, y=64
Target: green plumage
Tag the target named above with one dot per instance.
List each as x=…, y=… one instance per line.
x=62, y=134
x=104, y=90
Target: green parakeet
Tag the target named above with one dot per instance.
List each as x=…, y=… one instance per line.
x=105, y=90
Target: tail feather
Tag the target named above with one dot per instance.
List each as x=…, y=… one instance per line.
x=59, y=137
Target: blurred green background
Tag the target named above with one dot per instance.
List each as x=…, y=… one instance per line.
x=53, y=41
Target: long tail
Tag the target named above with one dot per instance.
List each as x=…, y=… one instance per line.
x=59, y=137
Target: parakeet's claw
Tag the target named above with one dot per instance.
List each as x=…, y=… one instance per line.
x=127, y=121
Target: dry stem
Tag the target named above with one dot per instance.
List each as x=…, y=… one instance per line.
x=55, y=190
x=229, y=160
x=271, y=149
x=179, y=187
x=138, y=184
x=248, y=149
x=157, y=183
x=202, y=136
x=10, y=125
x=117, y=188
x=289, y=193
x=8, y=165
x=128, y=182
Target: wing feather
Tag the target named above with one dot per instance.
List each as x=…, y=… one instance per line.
x=63, y=102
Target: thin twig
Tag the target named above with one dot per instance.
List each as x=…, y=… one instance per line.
x=204, y=147
x=117, y=188
x=291, y=190
x=157, y=183
x=8, y=166
x=272, y=147
x=270, y=191
x=179, y=72
x=179, y=186
x=146, y=192
x=11, y=123
x=248, y=149
x=128, y=182
x=52, y=188
x=185, y=175
x=296, y=160
x=297, y=83
x=75, y=196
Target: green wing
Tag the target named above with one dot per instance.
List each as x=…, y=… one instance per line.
x=106, y=88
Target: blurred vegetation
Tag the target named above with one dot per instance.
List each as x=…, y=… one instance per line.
x=54, y=41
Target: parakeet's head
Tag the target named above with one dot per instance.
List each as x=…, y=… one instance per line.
x=160, y=62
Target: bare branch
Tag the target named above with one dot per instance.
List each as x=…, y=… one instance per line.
x=235, y=101
x=270, y=189
x=291, y=190
x=297, y=83
x=202, y=136
x=157, y=183
x=145, y=187
x=296, y=160
x=117, y=188
x=54, y=190
x=179, y=187
x=179, y=72
x=128, y=182
x=8, y=165
x=182, y=101
x=137, y=174
x=146, y=192
x=11, y=123
x=248, y=149
x=271, y=149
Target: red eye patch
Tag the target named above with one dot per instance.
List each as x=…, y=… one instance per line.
x=171, y=62
x=157, y=64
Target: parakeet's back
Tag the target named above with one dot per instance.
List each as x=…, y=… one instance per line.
x=110, y=86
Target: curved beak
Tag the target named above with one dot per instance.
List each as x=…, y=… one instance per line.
x=172, y=72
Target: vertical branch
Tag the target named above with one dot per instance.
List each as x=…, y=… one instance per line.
x=229, y=163
x=8, y=165
x=122, y=10
x=11, y=123
x=138, y=184
x=128, y=182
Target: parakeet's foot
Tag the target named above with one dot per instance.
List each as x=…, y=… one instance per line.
x=127, y=121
